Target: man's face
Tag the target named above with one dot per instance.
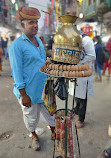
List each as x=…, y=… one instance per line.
x=30, y=27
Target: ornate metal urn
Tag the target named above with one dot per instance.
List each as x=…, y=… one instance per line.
x=67, y=42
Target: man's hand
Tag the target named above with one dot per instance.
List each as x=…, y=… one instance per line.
x=26, y=101
x=49, y=53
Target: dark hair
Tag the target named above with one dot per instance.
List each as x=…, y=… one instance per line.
x=98, y=39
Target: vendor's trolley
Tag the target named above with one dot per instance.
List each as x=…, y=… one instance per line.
x=66, y=144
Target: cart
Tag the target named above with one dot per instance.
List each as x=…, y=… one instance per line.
x=66, y=143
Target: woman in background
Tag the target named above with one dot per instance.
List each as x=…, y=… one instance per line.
x=108, y=63
x=98, y=66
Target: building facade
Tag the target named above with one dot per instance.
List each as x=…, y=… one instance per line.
x=57, y=8
x=8, y=9
x=98, y=11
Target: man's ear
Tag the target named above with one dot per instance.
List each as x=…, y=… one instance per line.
x=23, y=25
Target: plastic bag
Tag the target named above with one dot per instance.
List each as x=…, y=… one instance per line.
x=60, y=88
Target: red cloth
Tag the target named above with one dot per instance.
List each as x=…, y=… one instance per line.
x=108, y=47
x=25, y=13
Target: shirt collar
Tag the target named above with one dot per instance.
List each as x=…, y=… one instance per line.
x=38, y=40
x=24, y=36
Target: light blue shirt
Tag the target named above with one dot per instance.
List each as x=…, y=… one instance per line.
x=26, y=60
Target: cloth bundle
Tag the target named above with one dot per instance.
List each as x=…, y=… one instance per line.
x=49, y=96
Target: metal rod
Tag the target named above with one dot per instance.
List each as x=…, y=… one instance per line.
x=66, y=102
x=73, y=111
x=78, y=142
x=66, y=108
x=75, y=83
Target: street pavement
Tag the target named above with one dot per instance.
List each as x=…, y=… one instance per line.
x=93, y=138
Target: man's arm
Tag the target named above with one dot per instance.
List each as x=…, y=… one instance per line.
x=16, y=61
x=89, y=48
x=87, y=58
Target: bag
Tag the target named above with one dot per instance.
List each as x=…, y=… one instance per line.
x=103, y=55
x=60, y=88
x=49, y=97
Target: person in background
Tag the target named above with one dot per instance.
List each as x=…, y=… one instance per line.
x=4, y=42
x=108, y=64
x=84, y=86
x=98, y=66
x=0, y=40
x=42, y=39
x=48, y=53
x=27, y=55
x=1, y=51
x=50, y=43
x=49, y=47
x=11, y=39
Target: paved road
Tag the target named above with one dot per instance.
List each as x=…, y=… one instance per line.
x=92, y=138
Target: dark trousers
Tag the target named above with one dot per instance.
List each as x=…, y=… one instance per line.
x=80, y=109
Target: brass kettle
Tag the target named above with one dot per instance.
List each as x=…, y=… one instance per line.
x=67, y=45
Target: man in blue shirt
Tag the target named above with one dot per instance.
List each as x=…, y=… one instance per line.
x=27, y=55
